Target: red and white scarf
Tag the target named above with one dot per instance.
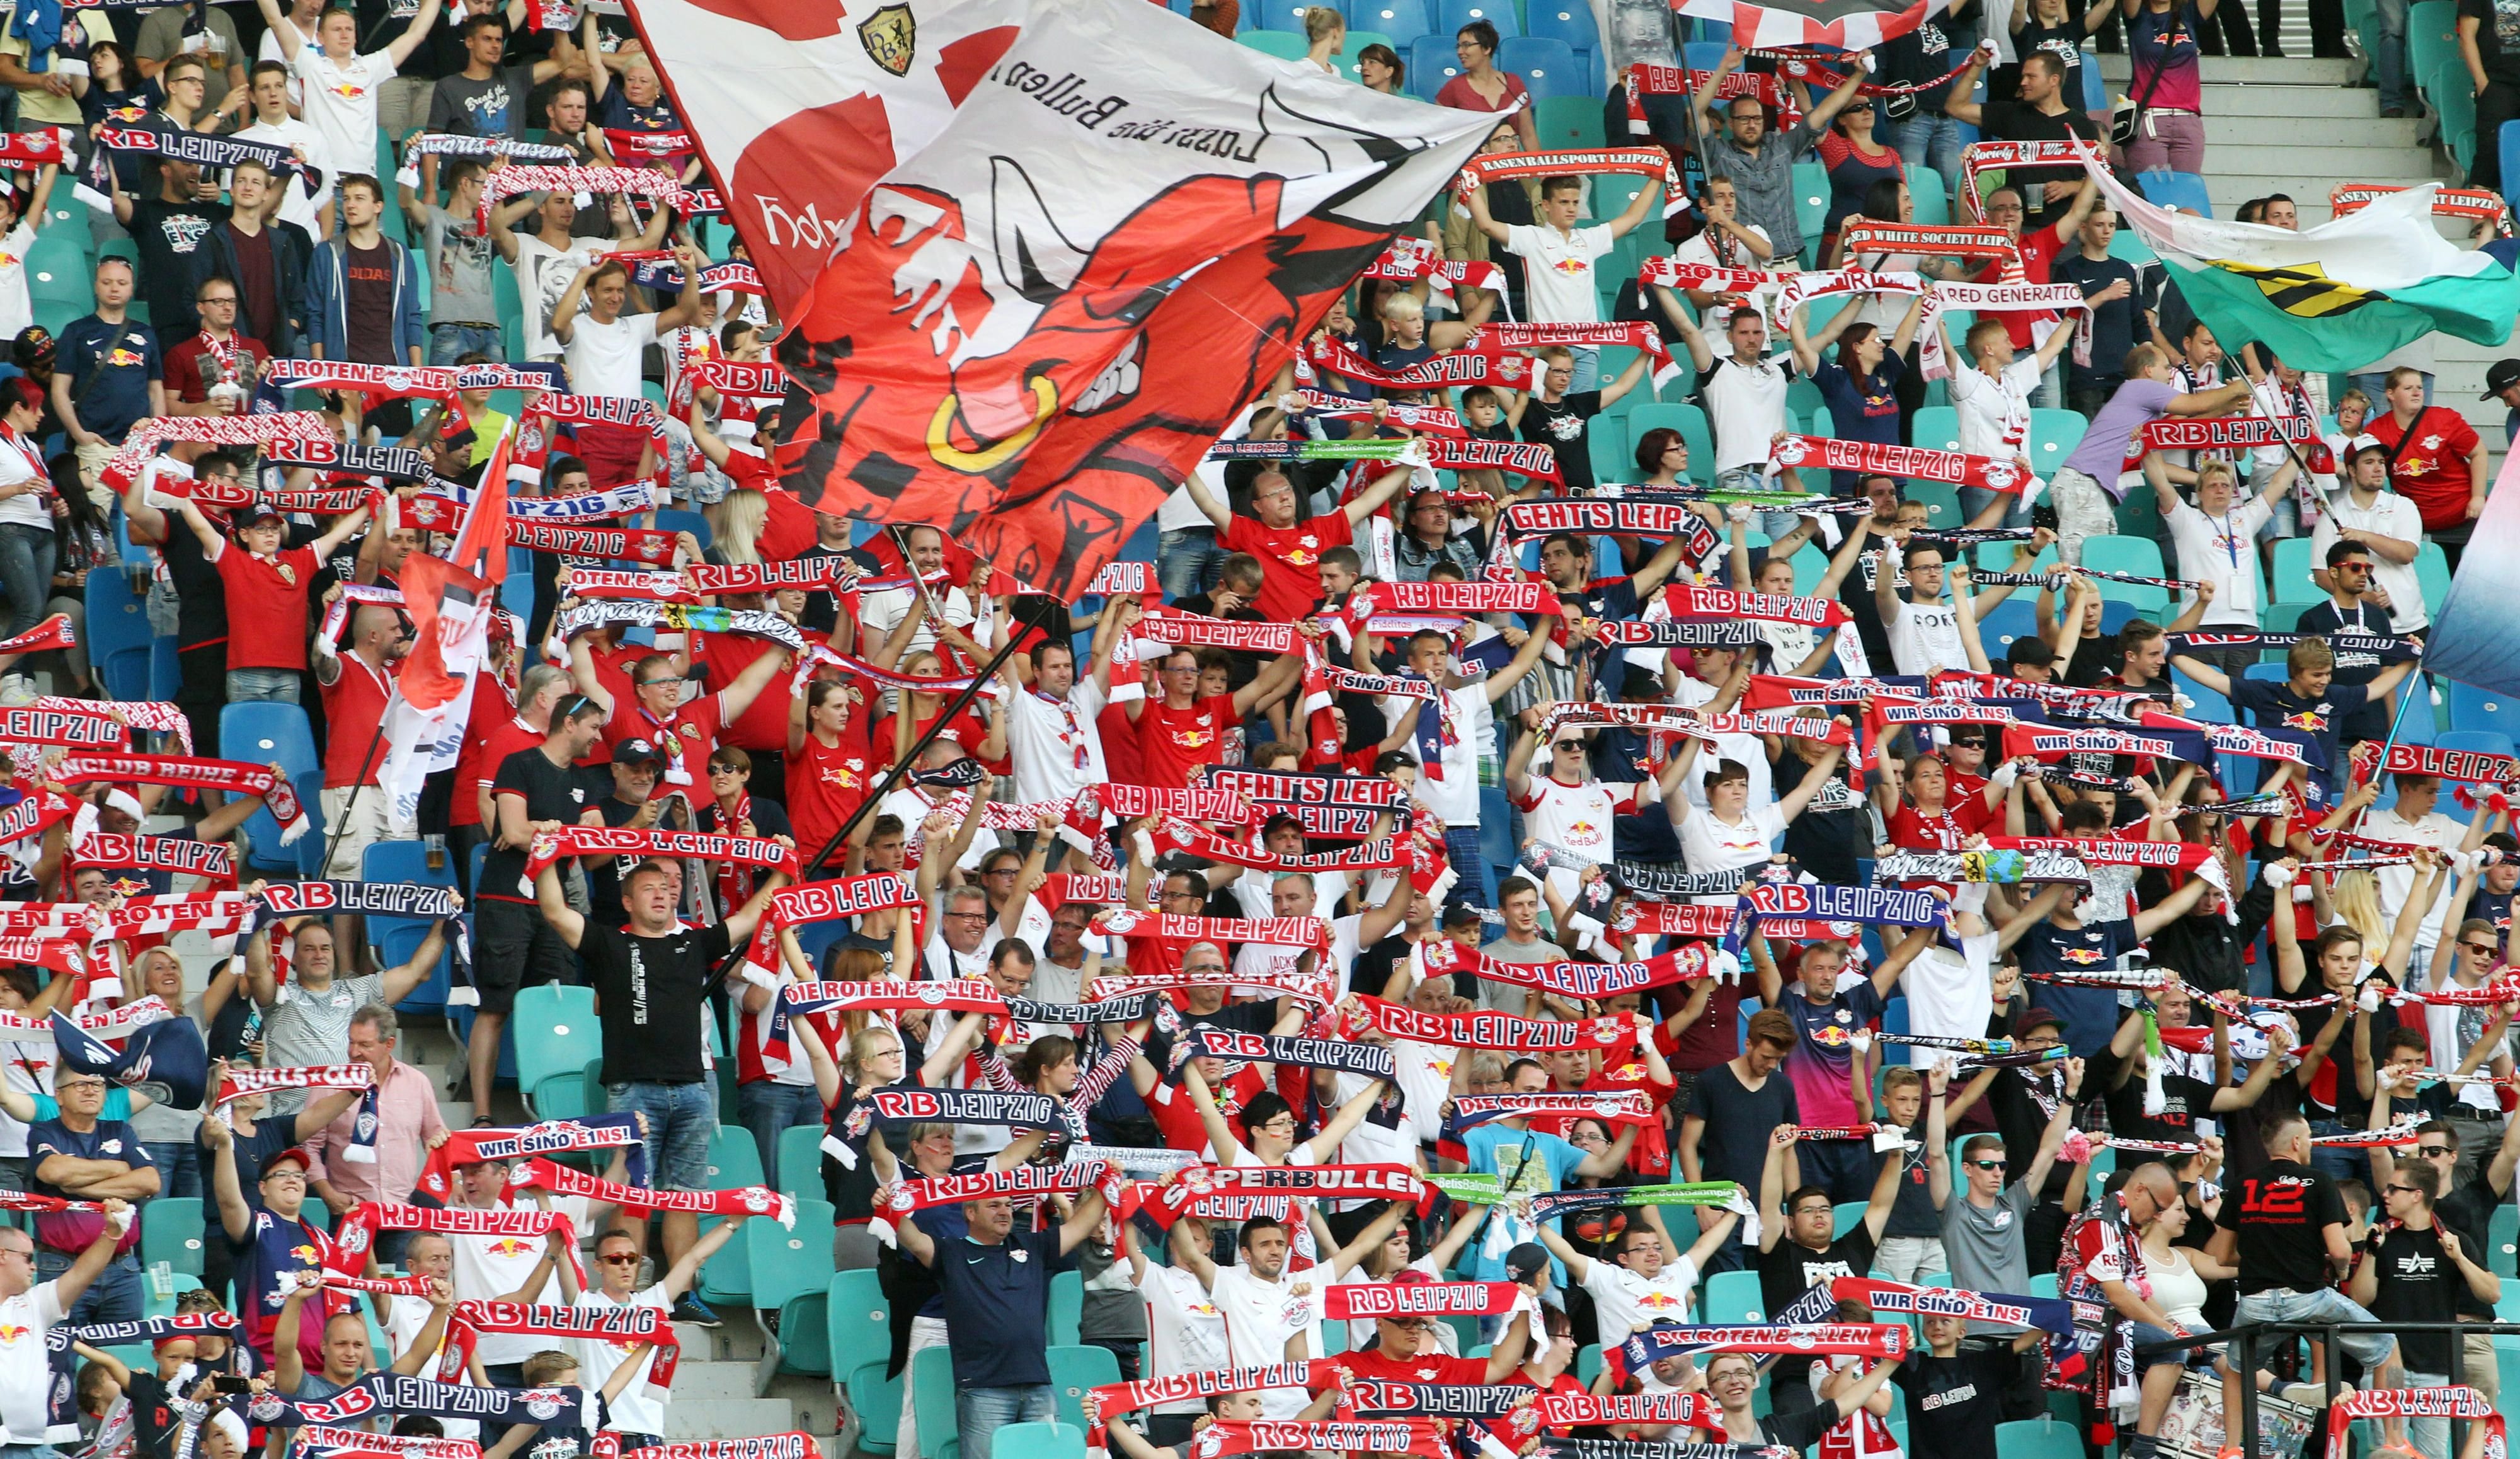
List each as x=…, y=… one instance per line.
x=615, y=1325
x=1495, y=1031
x=2414, y=1402
x=1175, y=834
x=245, y=1078
x=598, y=840
x=51, y=636
x=1954, y=467
x=751, y=1200
x=1983, y=157
x=233, y=775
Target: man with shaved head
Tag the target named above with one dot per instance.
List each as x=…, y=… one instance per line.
x=357, y=685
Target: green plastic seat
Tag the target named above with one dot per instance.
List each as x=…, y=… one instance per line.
x=1566, y=122
x=1285, y=46
x=800, y=1160
x=2140, y=556
x=734, y=1160
x=791, y=1275
x=1073, y=1369
x=1732, y=1298
x=857, y=1329
x=1689, y=420
x=1936, y=428
x=172, y=1230
x=1067, y=1309
x=1045, y=1440
x=2038, y=1438
x=931, y=1386
x=556, y=1033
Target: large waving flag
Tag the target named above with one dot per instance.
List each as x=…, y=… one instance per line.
x=1850, y=24
x=2332, y=297
x=1032, y=331
x=451, y=600
x=2471, y=638
x=799, y=106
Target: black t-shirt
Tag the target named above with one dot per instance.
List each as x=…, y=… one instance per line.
x=650, y=992
x=881, y=946
x=1738, y=1121
x=1373, y=966
x=2022, y=1120
x=2281, y=1213
x=169, y=236
x=552, y=792
x=153, y=1418
x=1788, y=1270
x=2332, y=1093
x=1825, y=842
x=2004, y=120
x=1559, y=426
x=2498, y=66
x=2469, y=1212
x=2184, y=1102
x=2494, y=907
x=603, y=873
x=2418, y=1283
x=1954, y=1403
x=200, y=597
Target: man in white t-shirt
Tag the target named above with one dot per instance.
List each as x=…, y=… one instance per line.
x=1271, y=1315
x=1991, y=395
x=1454, y=731
x=638, y=1415
x=1732, y=831
x=27, y=1311
x=1643, y=1282
x=431, y=1254
x=510, y=1268
x=1725, y=242
x=273, y=94
x=1565, y=808
x=602, y=348
x=1744, y=395
x=2216, y=542
x=1185, y=1331
x=16, y=235
x=881, y=609
x=337, y=85
x=1291, y=895
x=2412, y=821
x=2389, y=525
x=1929, y=633
x=1557, y=257
x=1051, y=734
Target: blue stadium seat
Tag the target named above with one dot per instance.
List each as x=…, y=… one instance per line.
x=2472, y=709
x=1402, y=19
x=1431, y=63
x=2475, y=741
x=118, y=636
x=2175, y=190
x=1936, y=428
x=264, y=733
x=1452, y=15
x=1284, y=45
x=1548, y=68
x=2013, y=619
x=1277, y=15
x=1570, y=22
x=1931, y=195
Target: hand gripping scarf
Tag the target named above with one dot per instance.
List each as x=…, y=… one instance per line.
x=1565, y=1410
x=51, y=635
x=465, y=1147
x=1615, y=1106
x=64, y=721
x=505, y=182
x=1022, y=1108
x=1165, y=1200
x=1410, y=259
x=245, y=1079
x=1990, y=867
x=1868, y=1340
x=823, y=573
x=1641, y=337
x=282, y=899
x=1610, y=517
x=1349, y=1301
x=1021, y=1182
x=2048, y=1314
x=1916, y=461
x=1373, y=1060
x=591, y=840
x=620, y=1326
x=1665, y=633
x=1495, y=1031
x=1285, y=788
x=212, y=860
x=1176, y=834
x=1828, y=283
x=1594, y=981
x=381, y=1393
x=238, y=776
x=752, y=622
x=2414, y=1402
x=146, y=1330
x=751, y=1200
x=1422, y=1437
x=33, y=816
x=1553, y=1447
x=1384, y=1399
x=1451, y=600
x=1689, y=601
x=1653, y=161
x=1332, y=355
x=2479, y=204
x=2233, y=433
x=1549, y=1205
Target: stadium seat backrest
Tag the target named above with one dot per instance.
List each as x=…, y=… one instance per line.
x=1503, y=14
x=116, y=620
x=1357, y=41
x=858, y=1317
x=1045, y=1440
x=1688, y=419
x=1548, y=68
x=557, y=1032
x=1936, y=428
x=2432, y=37
x=2038, y=1438
x=1732, y=1297
x=1283, y=44
x=931, y=1390
x=800, y=1160
x=2175, y=190
x=1401, y=19
x=2475, y=741
x=1568, y=122
x=172, y=1231
x=2054, y=435
x=1073, y=1369
x=261, y=734
x=1942, y=502
x=1931, y=194
x=2140, y=556
x=789, y=1263
x=1431, y=63
x=2007, y=621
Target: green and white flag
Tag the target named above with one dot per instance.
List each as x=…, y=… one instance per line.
x=2333, y=297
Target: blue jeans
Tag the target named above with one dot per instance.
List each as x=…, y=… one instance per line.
x=449, y=343
x=680, y=1118
x=2374, y=384
x=262, y=685
x=767, y=1108
x=25, y=573
x=179, y=1166
x=2327, y=1305
x=2332, y=1162
x=2389, y=42
x=980, y=1412
x=1587, y=368
x=115, y=1295
x=1977, y=499
x=1477, y=886
x=2428, y=1436
x=1186, y=560
x=1929, y=139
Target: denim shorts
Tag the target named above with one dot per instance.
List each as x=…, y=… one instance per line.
x=2323, y=1305
x=680, y=1120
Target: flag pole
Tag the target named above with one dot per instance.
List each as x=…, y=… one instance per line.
x=944, y=717
x=2414, y=689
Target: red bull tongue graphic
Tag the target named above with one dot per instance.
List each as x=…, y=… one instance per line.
x=1830, y=1036
x=2306, y=719
x=510, y=1245
x=2087, y=957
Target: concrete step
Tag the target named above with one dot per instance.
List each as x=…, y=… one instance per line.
x=2283, y=164
x=2395, y=140
x=2252, y=71
x=733, y=1341
x=2226, y=104
x=726, y=1418
x=712, y=1380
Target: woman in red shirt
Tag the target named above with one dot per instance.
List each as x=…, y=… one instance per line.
x=830, y=765
x=894, y=735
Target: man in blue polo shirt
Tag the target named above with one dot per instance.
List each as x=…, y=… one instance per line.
x=78, y=1155
x=996, y=1287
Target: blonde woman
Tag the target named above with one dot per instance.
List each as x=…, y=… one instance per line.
x=734, y=526
x=1324, y=37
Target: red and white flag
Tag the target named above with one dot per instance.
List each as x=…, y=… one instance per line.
x=451, y=600
x=830, y=98
x=1040, y=322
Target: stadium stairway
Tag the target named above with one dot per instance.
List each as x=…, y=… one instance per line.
x=2296, y=126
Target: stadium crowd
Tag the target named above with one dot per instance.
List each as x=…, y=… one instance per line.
x=1350, y=929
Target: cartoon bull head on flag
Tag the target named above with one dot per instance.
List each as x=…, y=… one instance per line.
x=1031, y=330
